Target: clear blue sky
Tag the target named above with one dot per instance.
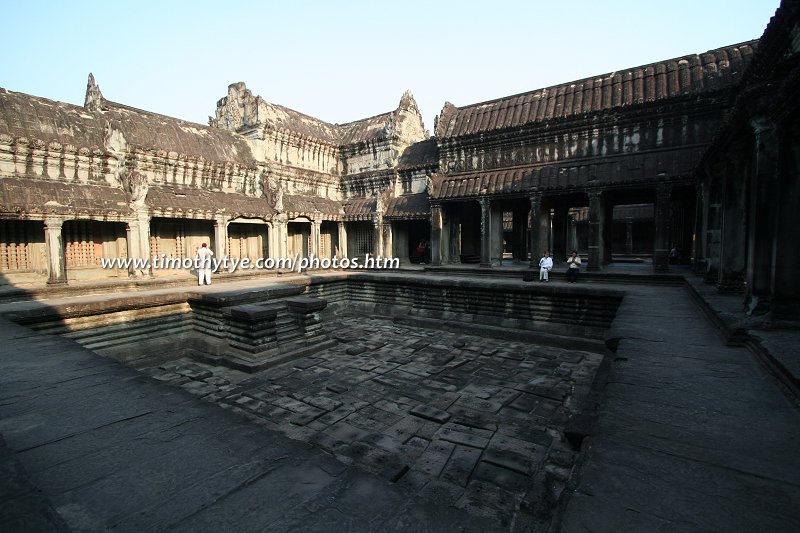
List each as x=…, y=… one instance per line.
x=342, y=61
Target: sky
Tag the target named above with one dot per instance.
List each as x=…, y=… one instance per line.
x=342, y=61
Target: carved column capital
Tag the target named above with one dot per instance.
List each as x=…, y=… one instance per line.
x=54, y=223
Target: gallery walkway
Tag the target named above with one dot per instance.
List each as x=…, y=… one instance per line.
x=692, y=436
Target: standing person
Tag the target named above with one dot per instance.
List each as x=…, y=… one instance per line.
x=573, y=267
x=545, y=266
x=203, y=259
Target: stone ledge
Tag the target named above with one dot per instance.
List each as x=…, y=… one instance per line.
x=776, y=349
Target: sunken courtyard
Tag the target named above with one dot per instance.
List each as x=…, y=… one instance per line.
x=453, y=390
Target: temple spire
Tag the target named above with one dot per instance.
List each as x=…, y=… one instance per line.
x=94, y=98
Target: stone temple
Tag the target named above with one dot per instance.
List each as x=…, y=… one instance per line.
x=659, y=393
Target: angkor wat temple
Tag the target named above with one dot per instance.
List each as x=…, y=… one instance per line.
x=698, y=154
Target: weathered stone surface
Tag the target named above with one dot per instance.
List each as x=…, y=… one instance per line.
x=430, y=413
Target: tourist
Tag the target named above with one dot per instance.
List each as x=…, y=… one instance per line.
x=203, y=260
x=674, y=255
x=573, y=267
x=545, y=266
x=419, y=252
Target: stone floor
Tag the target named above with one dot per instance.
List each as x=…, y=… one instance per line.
x=484, y=417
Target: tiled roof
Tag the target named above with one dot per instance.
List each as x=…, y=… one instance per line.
x=23, y=115
x=368, y=129
x=282, y=118
x=32, y=196
x=147, y=130
x=173, y=201
x=419, y=155
x=481, y=183
x=359, y=208
x=681, y=76
x=412, y=206
x=623, y=169
x=308, y=205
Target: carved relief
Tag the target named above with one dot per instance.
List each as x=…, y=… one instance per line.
x=135, y=184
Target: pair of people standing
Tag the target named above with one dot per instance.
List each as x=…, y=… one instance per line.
x=573, y=267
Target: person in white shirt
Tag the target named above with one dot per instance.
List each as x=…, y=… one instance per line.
x=545, y=266
x=574, y=266
x=203, y=259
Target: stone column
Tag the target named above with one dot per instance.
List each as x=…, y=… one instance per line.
x=342, y=251
x=786, y=281
x=520, y=230
x=596, y=230
x=629, y=236
x=452, y=237
x=138, y=239
x=701, y=213
x=54, y=241
x=486, y=234
x=660, y=244
x=606, y=227
x=377, y=234
x=762, y=222
x=712, y=225
x=399, y=241
x=316, y=245
x=496, y=225
x=280, y=225
x=536, y=229
x=220, y=236
x=560, y=227
x=436, y=234
x=733, y=244
x=388, y=242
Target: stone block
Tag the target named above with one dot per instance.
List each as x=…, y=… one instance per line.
x=459, y=437
x=305, y=304
x=430, y=413
x=435, y=457
x=460, y=466
x=254, y=313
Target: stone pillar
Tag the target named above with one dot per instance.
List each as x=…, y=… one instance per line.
x=399, y=241
x=520, y=231
x=342, y=251
x=536, y=229
x=452, y=237
x=762, y=226
x=629, y=236
x=220, y=236
x=496, y=239
x=54, y=241
x=786, y=280
x=316, y=245
x=733, y=242
x=701, y=212
x=660, y=244
x=596, y=230
x=572, y=234
x=560, y=227
x=712, y=226
x=605, y=231
x=280, y=224
x=388, y=236
x=138, y=240
x=486, y=234
x=436, y=234
x=377, y=234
